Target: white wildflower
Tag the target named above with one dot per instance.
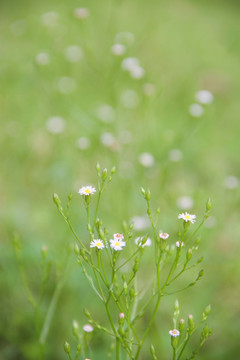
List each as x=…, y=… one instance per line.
x=73, y=53
x=118, y=236
x=163, y=236
x=87, y=190
x=88, y=328
x=185, y=202
x=196, y=110
x=42, y=59
x=116, y=244
x=204, y=97
x=142, y=241
x=187, y=217
x=55, y=124
x=83, y=143
x=118, y=49
x=97, y=243
x=146, y=159
x=81, y=13
x=174, y=333
x=175, y=155
x=178, y=243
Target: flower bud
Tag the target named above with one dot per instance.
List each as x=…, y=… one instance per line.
x=208, y=204
x=190, y=323
x=70, y=196
x=148, y=195
x=76, y=249
x=189, y=254
x=152, y=349
x=44, y=251
x=113, y=170
x=181, y=325
x=67, y=348
x=98, y=167
x=56, y=200
x=87, y=313
x=143, y=191
x=75, y=328
x=206, y=312
x=104, y=174
x=200, y=274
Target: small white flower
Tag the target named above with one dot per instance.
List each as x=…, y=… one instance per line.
x=97, y=243
x=204, y=97
x=83, y=143
x=129, y=99
x=118, y=236
x=140, y=241
x=55, y=124
x=118, y=49
x=140, y=222
x=174, y=333
x=87, y=190
x=187, y=217
x=231, y=182
x=88, y=328
x=163, y=236
x=185, y=202
x=81, y=13
x=178, y=244
x=175, y=155
x=73, y=53
x=130, y=63
x=66, y=85
x=149, y=89
x=42, y=59
x=196, y=110
x=116, y=244
x=137, y=72
x=146, y=159
x=50, y=19
x=106, y=113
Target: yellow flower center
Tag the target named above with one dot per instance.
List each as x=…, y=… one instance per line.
x=117, y=243
x=87, y=191
x=174, y=332
x=187, y=217
x=98, y=244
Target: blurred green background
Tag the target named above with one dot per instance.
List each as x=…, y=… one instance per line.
x=68, y=101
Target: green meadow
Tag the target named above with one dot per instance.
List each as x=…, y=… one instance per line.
x=118, y=82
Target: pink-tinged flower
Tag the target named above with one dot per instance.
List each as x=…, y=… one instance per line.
x=87, y=190
x=140, y=241
x=88, y=328
x=174, y=333
x=118, y=236
x=178, y=243
x=97, y=243
x=187, y=217
x=164, y=236
x=116, y=244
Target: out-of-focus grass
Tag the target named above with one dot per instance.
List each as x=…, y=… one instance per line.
x=184, y=46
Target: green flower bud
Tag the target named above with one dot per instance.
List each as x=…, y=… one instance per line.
x=56, y=200
x=200, y=260
x=153, y=352
x=70, y=196
x=67, y=348
x=113, y=170
x=98, y=168
x=200, y=274
x=104, y=174
x=76, y=249
x=181, y=325
x=208, y=204
x=44, y=251
x=75, y=328
x=190, y=323
x=206, y=312
x=87, y=313
x=143, y=191
x=189, y=254
x=148, y=195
